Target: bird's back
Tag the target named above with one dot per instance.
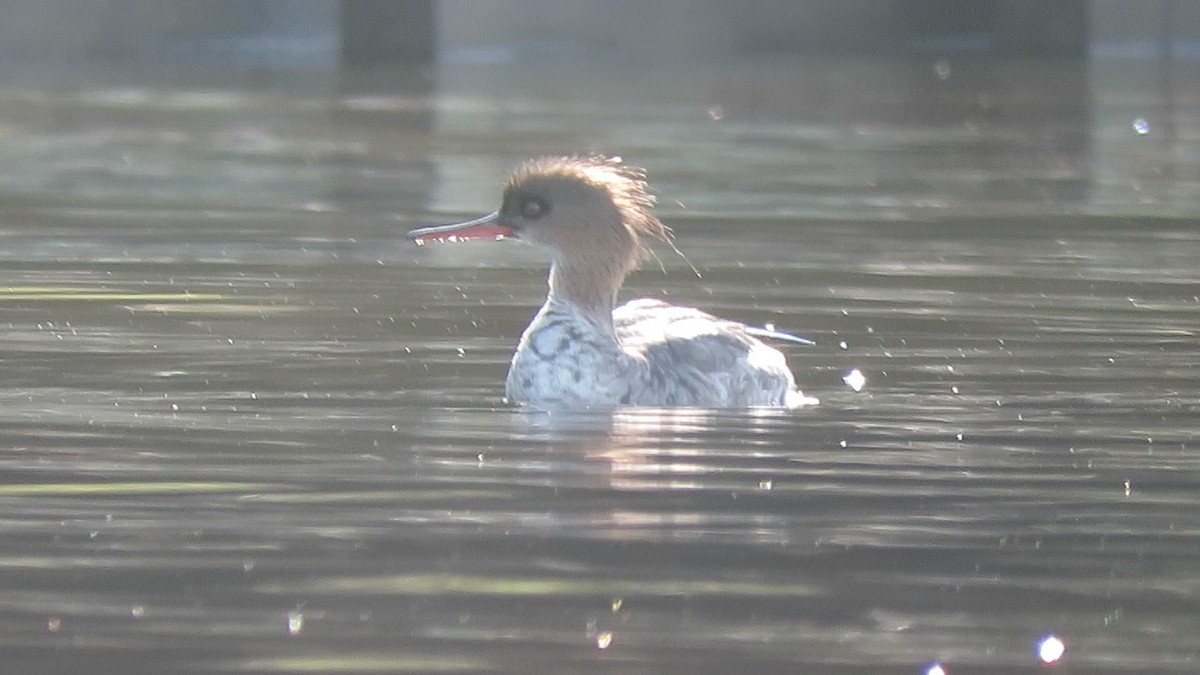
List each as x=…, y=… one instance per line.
x=694, y=359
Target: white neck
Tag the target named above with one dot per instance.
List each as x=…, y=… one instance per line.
x=590, y=291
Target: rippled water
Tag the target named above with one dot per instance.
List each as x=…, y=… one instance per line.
x=249, y=428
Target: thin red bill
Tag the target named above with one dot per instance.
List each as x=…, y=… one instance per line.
x=487, y=227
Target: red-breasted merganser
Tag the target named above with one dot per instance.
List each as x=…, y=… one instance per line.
x=594, y=216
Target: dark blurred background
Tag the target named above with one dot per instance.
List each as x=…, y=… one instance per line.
x=330, y=32
x=1105, y=69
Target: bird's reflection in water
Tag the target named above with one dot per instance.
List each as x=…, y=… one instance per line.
x=659, y=449
x=666, y=474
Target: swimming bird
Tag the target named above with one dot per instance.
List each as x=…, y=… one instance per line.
x=594, y=216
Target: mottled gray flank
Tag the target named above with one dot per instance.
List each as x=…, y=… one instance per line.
x=661, y=356
x=694, y=359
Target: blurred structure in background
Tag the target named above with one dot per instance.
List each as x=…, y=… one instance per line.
x=372, y=31
x=329, y=33
x=485, y=64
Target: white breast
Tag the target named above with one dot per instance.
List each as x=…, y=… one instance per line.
x=565, y=361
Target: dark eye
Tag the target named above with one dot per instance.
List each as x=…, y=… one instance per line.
x=532, y=209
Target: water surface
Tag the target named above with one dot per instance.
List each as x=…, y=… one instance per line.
x=249, y=428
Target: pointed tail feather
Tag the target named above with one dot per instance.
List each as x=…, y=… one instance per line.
x=777, y=335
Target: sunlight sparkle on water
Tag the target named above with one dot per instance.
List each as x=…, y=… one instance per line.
x=855, y=379
x=295, y=623
x=934, y=668
x=1141, y=126
x=604, y=639
x=1050, y=648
